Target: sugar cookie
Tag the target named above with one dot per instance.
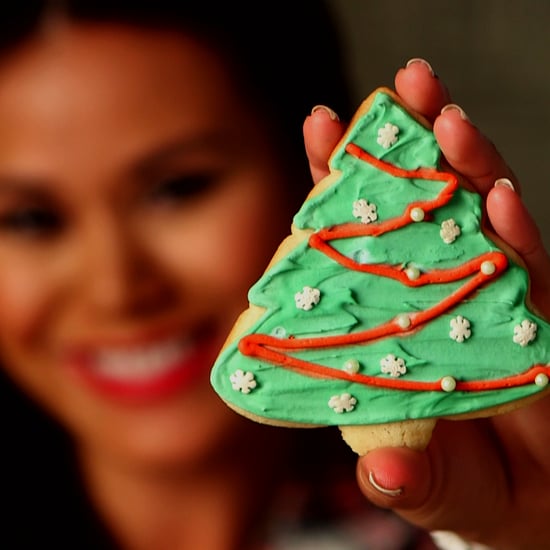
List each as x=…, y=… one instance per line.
x=389, y=305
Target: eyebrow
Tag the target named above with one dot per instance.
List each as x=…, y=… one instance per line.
x=33, y=188
x=37, y=187
x=215, y=140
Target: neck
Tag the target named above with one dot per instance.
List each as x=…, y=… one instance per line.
x=212, y=505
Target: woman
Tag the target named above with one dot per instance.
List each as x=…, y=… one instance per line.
x=151, y=158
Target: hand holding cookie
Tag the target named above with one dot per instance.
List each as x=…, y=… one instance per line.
x=390, y=305
x=485, y=479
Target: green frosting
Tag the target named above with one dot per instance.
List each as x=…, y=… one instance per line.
x=352, y=301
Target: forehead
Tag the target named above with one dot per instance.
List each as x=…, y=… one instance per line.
x=81, y=82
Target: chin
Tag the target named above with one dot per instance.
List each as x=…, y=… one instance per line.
x=186, y=434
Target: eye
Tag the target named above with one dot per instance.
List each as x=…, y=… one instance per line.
x=183, y=187
x=31, y=221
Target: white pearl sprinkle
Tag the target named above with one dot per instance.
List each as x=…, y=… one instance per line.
x=448, y=384
x=412, y=273
x=351, y=366
x=488, y=268
x=541, y=379
x=417, y=214
x=279, y=332
x=403, y=321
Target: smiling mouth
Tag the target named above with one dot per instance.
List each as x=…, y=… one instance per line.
x=141, y=363
x=147, y=371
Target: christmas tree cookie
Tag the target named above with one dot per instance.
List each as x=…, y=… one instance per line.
x=388, y=306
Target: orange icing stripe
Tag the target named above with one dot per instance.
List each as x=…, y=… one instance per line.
x=320, y=371
x=374, y=229
x=381, y=331
x=520, y=379
x=266, y=347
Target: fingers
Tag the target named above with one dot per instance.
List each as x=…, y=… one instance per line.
x=471, y=154
x=474, y=156
x=468, y=151
x=417, y=86
x=512, y=222
x=322, y=131
x=420, y=89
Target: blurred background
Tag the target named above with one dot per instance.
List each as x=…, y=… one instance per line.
x=493, y=54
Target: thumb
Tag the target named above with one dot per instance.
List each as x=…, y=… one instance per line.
x=456, y=484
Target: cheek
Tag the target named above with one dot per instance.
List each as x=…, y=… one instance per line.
x=24, y=297
x=243, y=252
x=244, y=237
x=223, y=247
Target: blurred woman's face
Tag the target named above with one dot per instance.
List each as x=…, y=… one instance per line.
x=139, y=198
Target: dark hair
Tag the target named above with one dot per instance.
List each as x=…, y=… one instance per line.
x=288, y=52
x=289, y=56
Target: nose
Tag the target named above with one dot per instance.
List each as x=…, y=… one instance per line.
x=120, y=275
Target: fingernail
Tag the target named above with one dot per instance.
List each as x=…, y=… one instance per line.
x=457, y=108
x=422, y=61
x=327, y=110
x=505, y=182
x=384, y=490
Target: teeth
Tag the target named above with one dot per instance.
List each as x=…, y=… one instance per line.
x=140, y=363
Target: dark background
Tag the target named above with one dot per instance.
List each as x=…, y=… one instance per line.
x=493, y=54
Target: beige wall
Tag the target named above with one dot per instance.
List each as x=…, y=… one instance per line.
x=493, y=54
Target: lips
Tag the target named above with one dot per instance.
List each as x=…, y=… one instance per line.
x=146, y=371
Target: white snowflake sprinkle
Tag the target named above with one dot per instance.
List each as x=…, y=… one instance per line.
x=392, y=365
x=525, y=333
x=449, y=231
x=365, y=211
x=242, y=381
x=344, y=402
x=307, y=298
x=460, y=329
x=387, y=135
